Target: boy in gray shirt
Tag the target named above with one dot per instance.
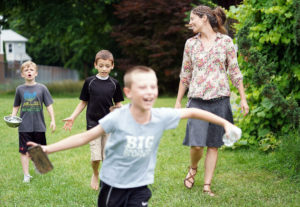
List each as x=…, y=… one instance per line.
x=30, y=97
x=136, y=130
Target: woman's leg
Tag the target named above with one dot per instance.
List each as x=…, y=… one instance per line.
x=195, y=154
x=210, y=165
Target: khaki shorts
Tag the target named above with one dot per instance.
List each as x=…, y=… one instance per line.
x=97, y=147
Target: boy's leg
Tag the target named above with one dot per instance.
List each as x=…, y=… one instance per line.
x=95, y=176
x=97, y=154
x=139, y=197
x=116, y=197
x=24, y=137
x=25, y=163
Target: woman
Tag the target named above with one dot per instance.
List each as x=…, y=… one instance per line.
x=209, y=57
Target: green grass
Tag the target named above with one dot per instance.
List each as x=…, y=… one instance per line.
x=240, y=178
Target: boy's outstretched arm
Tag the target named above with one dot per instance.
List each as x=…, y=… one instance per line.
x=76, y=140
x=194, y=113
x=51, y=113
x=15, y=110
x=70, y=120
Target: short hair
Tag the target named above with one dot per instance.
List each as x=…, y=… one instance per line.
x=136, y=69
x=104, y=55
x=28, y=63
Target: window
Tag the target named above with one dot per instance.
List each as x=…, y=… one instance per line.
x=10, y=48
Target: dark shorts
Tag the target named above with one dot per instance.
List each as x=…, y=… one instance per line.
x=204, y=134
x=129, y=197
x=24, y=137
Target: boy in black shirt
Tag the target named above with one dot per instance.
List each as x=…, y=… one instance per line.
x=99, y=93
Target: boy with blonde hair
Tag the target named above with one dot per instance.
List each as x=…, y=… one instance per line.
x=30, y=97
x=99, y=93
x=136, y=130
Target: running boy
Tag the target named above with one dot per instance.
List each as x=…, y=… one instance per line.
x=135, y=130
x=98, y=94
x=31, y=96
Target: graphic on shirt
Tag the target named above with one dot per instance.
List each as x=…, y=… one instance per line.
x=138, y=146
x=30, y=102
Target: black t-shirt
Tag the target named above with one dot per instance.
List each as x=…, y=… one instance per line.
x=100, y=95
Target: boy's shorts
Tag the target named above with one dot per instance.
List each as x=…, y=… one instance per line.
x=116, y=197
x=24, y=137
x=97, y=148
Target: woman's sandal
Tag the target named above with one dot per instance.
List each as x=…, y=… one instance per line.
x=208, y=192
x=190, y=178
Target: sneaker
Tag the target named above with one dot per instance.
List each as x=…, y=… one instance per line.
x=27, y=178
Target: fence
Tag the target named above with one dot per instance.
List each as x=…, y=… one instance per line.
x=10, y=75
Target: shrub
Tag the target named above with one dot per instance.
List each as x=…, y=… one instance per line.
x=65, y=88
x=269, y=59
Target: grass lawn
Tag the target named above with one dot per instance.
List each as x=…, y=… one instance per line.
x=240, y=179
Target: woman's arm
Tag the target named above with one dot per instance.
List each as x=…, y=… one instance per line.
x=180, y=94
x=244, y=104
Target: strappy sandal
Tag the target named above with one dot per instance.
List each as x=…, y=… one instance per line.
x=208, y=192
x=192, y=177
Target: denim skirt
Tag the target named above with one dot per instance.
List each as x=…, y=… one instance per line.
x=204, y=134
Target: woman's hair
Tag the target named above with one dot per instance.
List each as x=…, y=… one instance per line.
x=216, y=17
x=104, y=55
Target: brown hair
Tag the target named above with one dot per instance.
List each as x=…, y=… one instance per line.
x=136, y=69
x=28, y=63
x=216, y=17
x=104, y=55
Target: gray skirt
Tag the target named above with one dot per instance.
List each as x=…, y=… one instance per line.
x=204, y=134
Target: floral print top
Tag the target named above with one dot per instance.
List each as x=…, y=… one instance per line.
x=205, y=72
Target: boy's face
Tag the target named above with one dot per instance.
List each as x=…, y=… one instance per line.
x=29, y=73
x=143, y=91
x=104, y=67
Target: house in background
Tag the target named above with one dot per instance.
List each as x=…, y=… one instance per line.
x=14, y=46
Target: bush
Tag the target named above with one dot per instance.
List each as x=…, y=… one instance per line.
x=65, y=88
x=269, y=59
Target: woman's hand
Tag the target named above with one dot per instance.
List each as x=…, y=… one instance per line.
x=244, y=107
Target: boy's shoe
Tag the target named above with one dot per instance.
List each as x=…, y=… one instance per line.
x=27, y=178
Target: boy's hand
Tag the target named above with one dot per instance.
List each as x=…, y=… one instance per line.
x=52, y=126
x=114, y=107
x=35, y=144
x=68, y=123
x=227, y=127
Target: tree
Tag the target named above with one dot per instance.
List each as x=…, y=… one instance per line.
x=152, y=33
x=65, y=33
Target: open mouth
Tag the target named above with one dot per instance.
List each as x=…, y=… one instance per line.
x=148, y=100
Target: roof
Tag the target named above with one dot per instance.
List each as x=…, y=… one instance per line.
x=8, y=35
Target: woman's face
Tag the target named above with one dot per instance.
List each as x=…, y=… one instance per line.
x=196, y=23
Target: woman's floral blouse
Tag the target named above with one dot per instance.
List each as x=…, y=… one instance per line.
x=205, y=72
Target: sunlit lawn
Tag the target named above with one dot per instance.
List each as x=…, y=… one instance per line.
x=240, y=179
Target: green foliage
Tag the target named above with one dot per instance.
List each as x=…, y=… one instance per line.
x=63, y=88
x=269, y=60
x=63, y=33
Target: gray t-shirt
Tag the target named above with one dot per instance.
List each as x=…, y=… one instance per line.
x=131, y=148
x=31, y=100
